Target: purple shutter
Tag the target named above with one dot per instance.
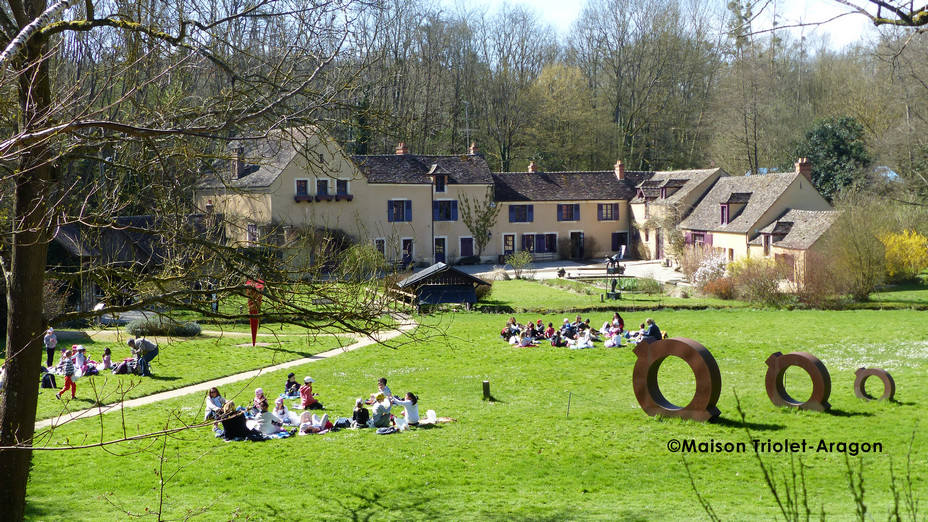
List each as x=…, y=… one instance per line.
x=599, y=212
x=576, y=212
x=389, y=211
x=435, y=214
x=531, y=213
x=408, y=209
x=708, y=239
x=512, y=213
x=688, y=237
x=454, y=210
x=615, y=211
x=560, y=212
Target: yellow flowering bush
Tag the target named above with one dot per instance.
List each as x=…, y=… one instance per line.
x=906, y=254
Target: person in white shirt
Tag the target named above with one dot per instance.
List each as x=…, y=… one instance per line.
x=411, y=405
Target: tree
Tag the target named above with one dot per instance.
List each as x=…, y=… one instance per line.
x=852, y=245
x=119, y=106
x=836, y=149
x=480, y=218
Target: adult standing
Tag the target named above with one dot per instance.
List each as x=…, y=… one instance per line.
x=51, y=342
x=145, y=351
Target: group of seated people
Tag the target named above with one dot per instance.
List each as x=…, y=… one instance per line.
x=577, y=334
x=259, y=421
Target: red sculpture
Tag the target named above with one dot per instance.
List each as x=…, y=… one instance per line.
x=708, y=379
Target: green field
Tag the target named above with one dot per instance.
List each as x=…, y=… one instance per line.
x=522, y=456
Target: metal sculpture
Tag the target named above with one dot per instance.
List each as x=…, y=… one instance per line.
x=708, y=379
x=777, y=364
x=889, y=385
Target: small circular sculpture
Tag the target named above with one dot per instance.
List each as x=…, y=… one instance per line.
x=889, y=385
x=777, y=365
x=708, y=379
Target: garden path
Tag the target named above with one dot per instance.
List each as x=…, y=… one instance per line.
x=406, y=324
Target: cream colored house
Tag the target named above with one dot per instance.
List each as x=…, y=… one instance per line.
x=736, y=209
x=791, y=237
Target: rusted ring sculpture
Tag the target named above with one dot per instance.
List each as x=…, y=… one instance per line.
x=705, y=369
x=889, y=385
x=777, y=365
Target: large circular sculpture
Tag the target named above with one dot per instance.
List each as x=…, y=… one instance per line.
x=705, y=369
x=777, y=364
x=889, y=385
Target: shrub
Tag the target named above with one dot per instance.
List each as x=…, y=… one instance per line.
x=722, y=287
x=701, y=264
x=906, y=254
x=519, y=261
x=649, y=285
x=483, y=291
x=756, y=280
x=157, y=325
x=817, y=285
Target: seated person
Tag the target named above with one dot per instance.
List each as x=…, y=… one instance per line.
x=568, y=330
x=234, y=425
x=525, y=340
x=266, y=421
x=282, y=413
x=584, y=340
x=256, y=403
x=549, y=333
x=637, y=335
x=214, y=404
x=312, y=423
x=381, y=417
x=653, y=333
x=557, y=340
x=411, y=407
x=291, y=387
x=307, y=397
x=384, y=389
x=360, y=415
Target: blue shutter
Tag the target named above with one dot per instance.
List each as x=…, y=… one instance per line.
x=599, y=212
x=531, y=213
x=408, y=205
x=389, y=211
x=540, y=244
x=576, y=211
x=434, y=211
x=512, y=213
x=615, y=211
x=454, y=211
x=560, y=212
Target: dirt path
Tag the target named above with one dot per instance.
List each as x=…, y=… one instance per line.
x=406, y=324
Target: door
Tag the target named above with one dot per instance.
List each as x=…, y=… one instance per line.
x=509, y=244
x=439, y=250
x=407, y=252
x=467, y=246
x=576, y=245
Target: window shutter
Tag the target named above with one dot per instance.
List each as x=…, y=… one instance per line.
x=434, y=211
x=512, y=214
x=615, y=211
x=531, y=213
x=560, y=212
x=389, y=211
x=708, y=239
x=408, y=207
x=454, y=211
x=599, y=212
x=576, y=211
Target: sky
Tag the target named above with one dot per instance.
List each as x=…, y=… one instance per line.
x=841, y=32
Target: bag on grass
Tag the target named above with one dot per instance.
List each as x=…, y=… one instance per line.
x=386, y=431
x=342, y=422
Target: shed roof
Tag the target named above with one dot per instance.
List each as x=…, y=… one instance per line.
x=440, y=273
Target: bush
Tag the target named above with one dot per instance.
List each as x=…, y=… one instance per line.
x=817, y=285
x=483, y=291
x=701, y=264
x=723, y=288
x=756, y=280
x=906, y=255
x=164, y=326
x=519, y=261
x=649, y=285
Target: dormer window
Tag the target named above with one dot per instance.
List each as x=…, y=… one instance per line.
x=725, y=213
x=640, y=193
x=663, y=192
x=441, y=183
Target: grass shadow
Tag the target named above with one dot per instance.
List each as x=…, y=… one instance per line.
x=754, y=426
x=493, y=399
x=163, y=378
x=842, y=413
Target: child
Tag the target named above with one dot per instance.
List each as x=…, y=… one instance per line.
x=256, y=403
x=281, y=412
x=66, y=365
x=411, y=405
x=382, y=388
x=107, y=363
x=291, y=387
x=267, y=422
x=307, y=401
x=361, y=415
x=314, y=424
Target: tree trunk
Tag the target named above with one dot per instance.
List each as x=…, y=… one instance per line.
x=25, y=278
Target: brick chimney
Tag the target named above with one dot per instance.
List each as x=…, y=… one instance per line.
x=401, y=149
x=473, y=150
x=238, y=162
x=804, y=167
x=532, y=168
x=620, y=170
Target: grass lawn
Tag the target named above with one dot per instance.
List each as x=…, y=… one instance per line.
x=181, y=362
x=522, y=457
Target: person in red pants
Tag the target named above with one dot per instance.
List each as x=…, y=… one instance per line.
x=67, y=368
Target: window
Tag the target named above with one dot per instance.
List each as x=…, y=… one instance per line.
x=252, y=234
x=302, y=187
x=381, y=246
x=550, y=242
x=521, y=213
x=724, y=218
x=467, y=246
x=322, y=187
x=441, y=183
x=607, y=211
x=568, y=212
x=767, y=243
x=528, y=242
x=445, y=210
x=543, y=243
x=619, y=240
x=341, y=187
x=699, y=238
x=399, y=210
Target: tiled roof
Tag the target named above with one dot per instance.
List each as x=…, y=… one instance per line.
x=265, y=158
x=764, y=190
x=462, y=169
x=683, y=180
x=565, y=186
x=739, y=198
x=798, y=229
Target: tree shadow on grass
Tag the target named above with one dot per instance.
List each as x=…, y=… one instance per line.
x=754, y=426
x=378, y=505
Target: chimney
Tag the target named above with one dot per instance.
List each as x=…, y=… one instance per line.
x=401, y=149
x=804, y=167
x=238, y=162
x=620, y=170
x=473, y=150
x=532, y=168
